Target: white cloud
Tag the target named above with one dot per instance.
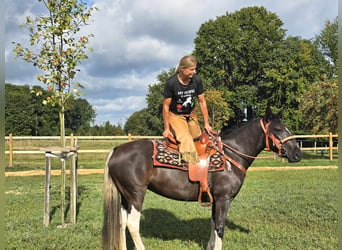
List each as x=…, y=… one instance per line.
x=136, y=39
x=117, y=110
x=129, y=103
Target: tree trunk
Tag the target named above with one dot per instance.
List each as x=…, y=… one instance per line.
x=62, y=129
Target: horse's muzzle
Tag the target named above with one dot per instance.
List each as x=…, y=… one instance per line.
x=294, y=156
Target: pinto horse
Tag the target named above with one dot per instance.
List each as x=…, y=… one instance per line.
x=130, y=172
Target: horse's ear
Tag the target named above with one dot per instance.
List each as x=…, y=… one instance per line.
x=268, y=114
x=280, y=114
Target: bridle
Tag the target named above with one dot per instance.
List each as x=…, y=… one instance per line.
x=269, y=137
x=278, y=143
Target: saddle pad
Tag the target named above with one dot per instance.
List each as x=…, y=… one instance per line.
x=163, y=157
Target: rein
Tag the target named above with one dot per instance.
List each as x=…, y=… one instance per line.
x=268, y=136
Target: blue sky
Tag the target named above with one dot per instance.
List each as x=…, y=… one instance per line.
x=136, y=39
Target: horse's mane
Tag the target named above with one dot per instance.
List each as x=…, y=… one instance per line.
x=231, y=130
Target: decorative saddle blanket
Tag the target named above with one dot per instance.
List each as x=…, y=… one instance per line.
x=164, y=157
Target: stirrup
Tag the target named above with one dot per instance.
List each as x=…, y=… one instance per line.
x=205, y=204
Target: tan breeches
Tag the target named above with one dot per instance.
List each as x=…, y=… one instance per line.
x=186, y=129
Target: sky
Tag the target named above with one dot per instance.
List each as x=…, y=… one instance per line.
x=135, y=40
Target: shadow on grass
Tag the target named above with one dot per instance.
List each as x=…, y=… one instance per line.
x=162, y=224
x=80, y=190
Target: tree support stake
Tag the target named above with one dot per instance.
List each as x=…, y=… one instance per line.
x=63, y=154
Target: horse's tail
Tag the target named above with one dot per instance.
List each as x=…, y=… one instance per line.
x=111, y=210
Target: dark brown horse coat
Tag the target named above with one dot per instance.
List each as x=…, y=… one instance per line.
x=131, y=172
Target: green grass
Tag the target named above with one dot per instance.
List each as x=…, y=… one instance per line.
x=294, y=209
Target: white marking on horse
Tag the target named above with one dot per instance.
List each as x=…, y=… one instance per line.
x=132, y=221
x=215, y=242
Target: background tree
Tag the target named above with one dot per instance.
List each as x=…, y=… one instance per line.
x=25, y=114
x=319, y=106
x=79, y=116
x=327, y=41
x=105, y=129
x=218, y=109
x=296, y=64
x=58, y=49
x=247, y=54
x=140, y=123
x=45, y=120
x=319, y=101
x=19, y=113
x=233, y=51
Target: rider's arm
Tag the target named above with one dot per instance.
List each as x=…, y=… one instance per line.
x=166, y=109
x=204, y=111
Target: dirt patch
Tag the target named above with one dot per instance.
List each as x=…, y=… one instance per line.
x=13, y=192
x=100, y=171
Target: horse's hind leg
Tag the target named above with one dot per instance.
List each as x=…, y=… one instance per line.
x=132, y=221
x=133, y=224
x=123, y=225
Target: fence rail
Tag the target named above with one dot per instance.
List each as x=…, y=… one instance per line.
x=73, y=140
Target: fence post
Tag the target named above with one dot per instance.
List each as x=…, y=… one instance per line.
x=330, y=146
x=129, y=137
x=10, y=150
x=72, y=140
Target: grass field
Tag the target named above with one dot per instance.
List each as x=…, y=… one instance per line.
x=294, y=209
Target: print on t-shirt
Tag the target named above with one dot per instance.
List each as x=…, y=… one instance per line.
x=186, y=101
x=183, y=97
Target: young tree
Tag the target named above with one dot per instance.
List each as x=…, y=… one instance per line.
x=57, y=49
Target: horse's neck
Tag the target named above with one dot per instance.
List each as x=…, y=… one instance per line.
x=248, y=140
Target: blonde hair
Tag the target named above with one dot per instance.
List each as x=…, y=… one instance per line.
x=186, y=62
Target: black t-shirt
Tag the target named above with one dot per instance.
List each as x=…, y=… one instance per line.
x=183, y=96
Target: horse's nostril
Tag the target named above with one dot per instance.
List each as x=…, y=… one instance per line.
x=298, y=155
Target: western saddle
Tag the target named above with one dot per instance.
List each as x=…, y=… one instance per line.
x=199, y=172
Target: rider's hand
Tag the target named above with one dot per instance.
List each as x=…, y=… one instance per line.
x=208, y=128
x=167, y=133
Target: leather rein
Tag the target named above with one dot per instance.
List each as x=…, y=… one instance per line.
x=269, y=136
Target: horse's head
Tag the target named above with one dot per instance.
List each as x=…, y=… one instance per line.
x=279, y=138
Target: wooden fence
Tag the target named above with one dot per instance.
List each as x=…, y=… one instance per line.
x=73, y=140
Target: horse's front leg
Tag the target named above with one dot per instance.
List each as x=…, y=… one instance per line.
x=219, y=213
